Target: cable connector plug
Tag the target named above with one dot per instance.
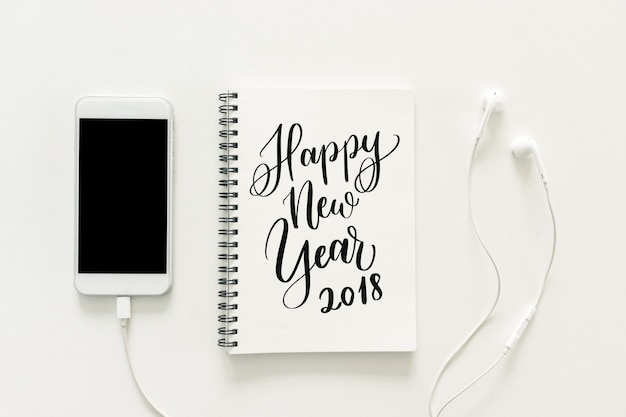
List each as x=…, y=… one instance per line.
x=123, y=307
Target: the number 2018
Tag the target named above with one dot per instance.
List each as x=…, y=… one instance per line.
x=367, y=288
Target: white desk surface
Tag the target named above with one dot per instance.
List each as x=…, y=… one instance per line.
x=561, y=65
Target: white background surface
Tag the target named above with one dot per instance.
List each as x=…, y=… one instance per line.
x=562, y=67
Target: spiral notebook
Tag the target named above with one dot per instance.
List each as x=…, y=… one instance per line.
x=317, y=221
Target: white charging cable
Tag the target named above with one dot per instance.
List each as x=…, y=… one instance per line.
x=123, y=313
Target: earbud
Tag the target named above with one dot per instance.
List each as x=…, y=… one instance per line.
x=493, y=100
x=525, y=147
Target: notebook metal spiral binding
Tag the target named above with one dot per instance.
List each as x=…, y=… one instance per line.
x=228, y=221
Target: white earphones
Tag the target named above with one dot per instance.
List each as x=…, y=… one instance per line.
x=493, y=101
x=526, y=147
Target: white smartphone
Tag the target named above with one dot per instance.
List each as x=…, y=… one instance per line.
x=123, y=182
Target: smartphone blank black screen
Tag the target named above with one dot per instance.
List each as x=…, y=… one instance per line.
x=122, y=196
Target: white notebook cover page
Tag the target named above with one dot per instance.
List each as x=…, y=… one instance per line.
x=326, y=221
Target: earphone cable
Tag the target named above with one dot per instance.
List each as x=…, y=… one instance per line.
x=506, y=348
x=482, y=322
x=475, y=380
x=553, y=251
